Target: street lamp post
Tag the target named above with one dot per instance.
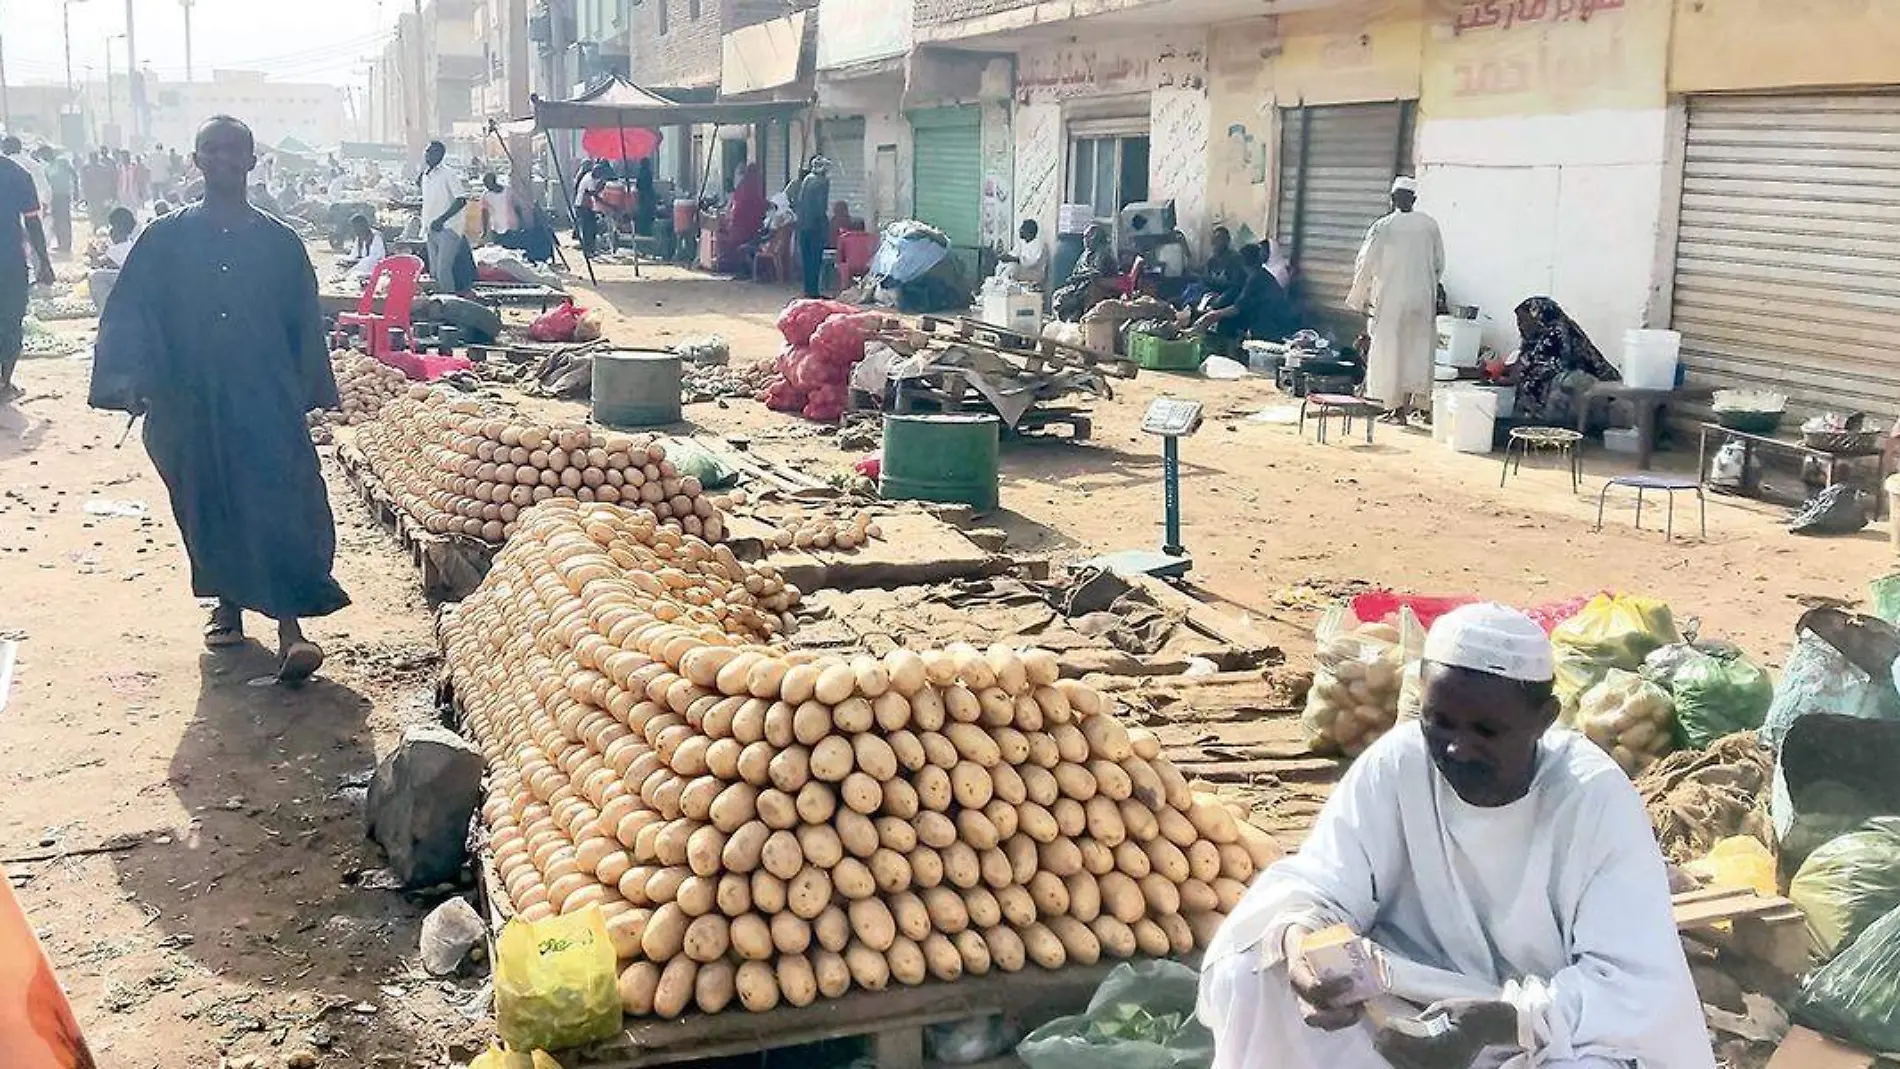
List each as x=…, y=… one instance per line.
x=66, y=27
x=112, y=115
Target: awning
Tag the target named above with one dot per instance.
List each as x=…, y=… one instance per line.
x=616, y=102
x=763, y=56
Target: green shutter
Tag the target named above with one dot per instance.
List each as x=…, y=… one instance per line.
x=948, y=173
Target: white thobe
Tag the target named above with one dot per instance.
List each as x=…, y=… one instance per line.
x=1557, y=904
x=1396, y=278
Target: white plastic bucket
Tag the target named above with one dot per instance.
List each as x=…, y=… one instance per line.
x=1474, y=417
x=1444, y=404
x=1650, y=357
x=1458, y=341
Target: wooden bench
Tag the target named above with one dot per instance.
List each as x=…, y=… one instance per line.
x=1649, y=405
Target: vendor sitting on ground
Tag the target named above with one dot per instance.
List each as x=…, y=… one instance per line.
x=1556, y=364
x=1258, y=309
x=1092, y=279
x=121, y=232
x=1506, y=872
x=1221, y=276
x=366, y=249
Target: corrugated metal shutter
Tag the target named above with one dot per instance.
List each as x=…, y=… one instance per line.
x=1336, y=169
x=776, y=156
x=1786, y=275
x=947, y=174
x=842, y=142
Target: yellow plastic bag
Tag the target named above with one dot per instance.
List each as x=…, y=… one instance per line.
x=555, y=983
x=1739, y=861
x=497, y=1058
x=1613, y=631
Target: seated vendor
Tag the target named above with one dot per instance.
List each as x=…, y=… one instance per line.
x=1094, y=278
x=1029, y=260
x=1556, y=364
x=121, y=234
x=366, y=249
x=1505, y=871
x=1259, y=309
x=1223, y=274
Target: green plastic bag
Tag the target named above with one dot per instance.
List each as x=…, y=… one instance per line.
x=1612, y=631
x=555, y=985
x=1718, y=691
x=1857, y=995
x=1849, y=882
x=701, y=463
x=1142, y=1017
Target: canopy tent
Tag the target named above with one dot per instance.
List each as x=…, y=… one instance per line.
x=615, y=103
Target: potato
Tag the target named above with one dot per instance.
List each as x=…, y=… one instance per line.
x=947, y=911
x=926, y=867
x=798, y=683
x=624, y=931
x=1174, y=786
x=1180, y=933
x=703, y=850
x=1044, y=753
x=1212, y=820
x=778, y=724
x=1043, y=946
x=744, y=848
x=1079, y=945
x=1167, y=860
x=791, y=934
x=1071, y=744
x=665, y=933
x=811, y=723
x=861, y=793
x=873, y=923
x=1198, y=897
x=1085, y=896
x=791, y=768
x=1228, y=893
x=697, y=895
x=781, y=855
x=971, y=785
x=833, y=975
x=1075, y=781
x=1203, y=860
x=755, y=763
x=714, y=987
x=890, y=869
x=676, y=987
x=1203, y=926
x=857, y=832
x=768, y=892
x=875, y=756
x=938, y=750
x=751, y=937
x=941, y=957
x=707, y=938
x=1161, y=894
x=1176, y=827
x=852, y=879
x=869, y=968
x=1050, y=893
x=809, y=892
x=927, y=711
x=1061, y=857
x=832, y=928
x=934, y=790
x=797, y=980
x=853, y=715
x=639, y=982
x=974, y=744
x=831, y=759
x=758, y=986
x=736, y=804
x=973, y=952
x=1260, y=846
x=820, y=845
x=1036, y=822
x=1138, y=821
x=1007, y=784
x=908, y=749
x=816, y=803
x=907, y=962
x=733, y=896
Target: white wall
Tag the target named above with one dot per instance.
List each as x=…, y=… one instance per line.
x=1038, y=172
x=858, y=31
x=1564, y=206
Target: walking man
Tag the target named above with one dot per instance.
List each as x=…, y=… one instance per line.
x=810, y=202
x=63, y=180
x=1395, y=281
x=216, y=337
x=19, y=228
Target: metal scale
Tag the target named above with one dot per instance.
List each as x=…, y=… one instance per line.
x=1170, y=419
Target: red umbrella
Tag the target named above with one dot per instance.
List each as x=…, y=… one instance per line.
x=628, y=142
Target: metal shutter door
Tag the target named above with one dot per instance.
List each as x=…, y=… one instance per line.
x=1788, y=253
x=776, y=157
x=842, y=142
x=948, y=176
x=1336, y=169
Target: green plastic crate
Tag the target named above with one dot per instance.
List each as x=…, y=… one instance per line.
x=1159, y=354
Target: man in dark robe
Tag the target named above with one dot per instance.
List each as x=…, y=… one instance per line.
x=215, y=335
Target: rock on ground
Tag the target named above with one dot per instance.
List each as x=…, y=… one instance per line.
x=420, y=802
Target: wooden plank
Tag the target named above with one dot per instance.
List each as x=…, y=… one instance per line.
x=1807, y=1049
x=916, y=548
x=1032, y=996
x=1208, y=621
x=1704, y=913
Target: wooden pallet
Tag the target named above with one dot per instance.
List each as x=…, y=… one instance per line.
x=1770, y=929
x=452, y=566
x=1041, y=353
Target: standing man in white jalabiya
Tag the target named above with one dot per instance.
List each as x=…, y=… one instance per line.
x=1507, y=875
x=1395, y=281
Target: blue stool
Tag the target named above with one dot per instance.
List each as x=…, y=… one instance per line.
x=1669, y=484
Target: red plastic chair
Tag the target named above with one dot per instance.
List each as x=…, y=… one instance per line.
x=1129, y=285
x=402, y=273
x=855, y=250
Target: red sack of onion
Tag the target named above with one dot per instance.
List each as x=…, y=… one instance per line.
x=802, y=317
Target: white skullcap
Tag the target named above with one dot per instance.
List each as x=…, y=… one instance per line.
x=1491, y=638
x=1405, y=183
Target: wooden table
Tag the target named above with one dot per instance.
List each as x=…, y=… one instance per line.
x=1649, y=405
x=1751, y=484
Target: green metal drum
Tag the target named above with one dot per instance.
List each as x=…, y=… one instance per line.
x=636, y=387
x=949, y=458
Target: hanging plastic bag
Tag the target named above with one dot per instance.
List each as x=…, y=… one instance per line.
x=555, y=982
x=1612, y=631
x=1840, y=663
x=1857, y=995
x=1849, y=882
x=1717, y=690
x=1630, y=717
x=1142, y=1017
x=1357, y=679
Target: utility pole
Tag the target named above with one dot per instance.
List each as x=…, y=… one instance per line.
x=112, y=114
x=186, y=4
x=6, y=107
x=134, y=82
x=421, y=136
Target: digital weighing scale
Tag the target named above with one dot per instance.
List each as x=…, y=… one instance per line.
x=1170, y=419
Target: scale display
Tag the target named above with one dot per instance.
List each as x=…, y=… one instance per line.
x=1172, y=417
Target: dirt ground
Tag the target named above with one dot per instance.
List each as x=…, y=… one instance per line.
x=189, y=843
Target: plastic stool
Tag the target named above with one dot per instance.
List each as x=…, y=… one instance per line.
x=1526, y=439
x=1669, y=484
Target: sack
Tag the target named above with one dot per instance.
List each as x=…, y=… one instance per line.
x=557, y=325
x=1358, y=677
x=555, y=982
x=1632, y=719
x=1717, y=690
x=1835, y=510
x=1142, y=1017
x=691, y=458
x=1841, y=664
x=1612, y=631
x=1857, y=995
x=1848, y=883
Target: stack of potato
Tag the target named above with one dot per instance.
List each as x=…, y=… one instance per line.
x=461, y=466
x=364, y=384
x=770, y=827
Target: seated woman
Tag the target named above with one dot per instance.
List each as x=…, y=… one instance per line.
x=1092, y=279
x=1556, y=364
x=744, y=216
x=1260, y=310
x=122, y=232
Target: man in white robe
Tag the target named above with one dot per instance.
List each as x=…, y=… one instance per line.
x=1505, y=871
x=1395, y=280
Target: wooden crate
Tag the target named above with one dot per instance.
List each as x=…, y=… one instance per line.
x=452, y=566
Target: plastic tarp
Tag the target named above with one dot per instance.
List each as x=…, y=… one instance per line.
x=616, y=102
x=908, y=254
x=1142, y=1017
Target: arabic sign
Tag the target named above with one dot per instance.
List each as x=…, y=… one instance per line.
x=1536, y=57
x=1111, y=67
